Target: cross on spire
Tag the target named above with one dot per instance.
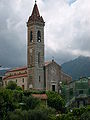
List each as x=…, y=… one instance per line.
x=35, y=1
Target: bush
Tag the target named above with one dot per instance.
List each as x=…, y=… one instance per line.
x=11, y=85
x=17, y=96
x=29, y=92
x=30, y=102
x=6, y=102
x=17, y=115
x=55, y=101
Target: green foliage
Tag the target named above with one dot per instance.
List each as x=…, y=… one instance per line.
x=78, y=111
x=38, y=114
x=17, y=105
x=13, y=86
x=68, y=116
x=6, y=102
x=52, y=117
x=85, y=115
x=18, y=88
x=30, y=102
x=55, y=101
x=29, y=92
x=35, y=114
x=17, y=96
x=18, y=115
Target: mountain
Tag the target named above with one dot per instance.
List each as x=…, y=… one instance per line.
x=79, y=67
x=3, y=71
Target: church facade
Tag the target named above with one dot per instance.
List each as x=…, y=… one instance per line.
x=38, y=74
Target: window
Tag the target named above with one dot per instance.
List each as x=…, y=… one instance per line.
x=39, y=78
x=39, y=58
x=80, y=91
x=38, y=36
x=23, y=80
x=31, y=36
x=22, y=87
x=53, y=87
x=16, y=80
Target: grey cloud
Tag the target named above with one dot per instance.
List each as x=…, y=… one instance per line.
x=12, y=37
x=67, y=29
x=59, y=56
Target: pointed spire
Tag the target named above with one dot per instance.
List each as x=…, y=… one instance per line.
x=35, y=16
x=35, y=11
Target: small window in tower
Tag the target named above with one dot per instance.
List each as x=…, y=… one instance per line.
x=39, y=58
x=39, y=36
x=39, y=79
x=31, y=36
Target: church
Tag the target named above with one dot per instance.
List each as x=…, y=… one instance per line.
x=38, y=74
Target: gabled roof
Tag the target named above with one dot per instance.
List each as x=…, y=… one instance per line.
x=47, y=63
x=51, y=62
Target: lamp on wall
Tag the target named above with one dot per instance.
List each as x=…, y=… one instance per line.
x=60, y=83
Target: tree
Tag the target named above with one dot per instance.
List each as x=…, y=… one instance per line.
x=18, y=115
x=13, y=86
x=6, y=103
x=17, y=96
x=55, y=101
x=30, y=102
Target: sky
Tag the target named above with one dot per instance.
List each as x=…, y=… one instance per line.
x=67, y=29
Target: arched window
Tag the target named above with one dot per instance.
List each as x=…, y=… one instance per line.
x=31, y=36
x=39, y=36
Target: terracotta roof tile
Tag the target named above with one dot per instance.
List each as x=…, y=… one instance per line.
x=15, y=76
x=40, y=96
x=47, y=63
x=17, y=69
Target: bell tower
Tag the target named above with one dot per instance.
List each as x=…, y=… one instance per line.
x=35, y=50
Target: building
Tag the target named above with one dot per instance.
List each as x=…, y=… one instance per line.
x=35, y=52
x=77, y=92
x=18, y=75
x=38, y=75
x=65, y=78
x=52, y=72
